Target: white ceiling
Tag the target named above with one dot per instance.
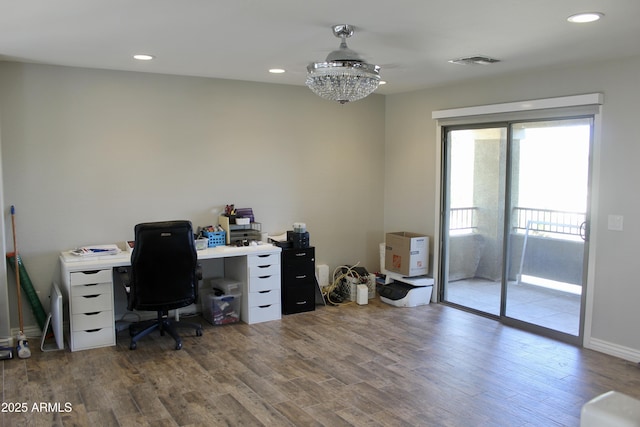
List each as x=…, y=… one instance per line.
x=411, y=40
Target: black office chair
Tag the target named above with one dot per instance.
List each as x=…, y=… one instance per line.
x=164, y=276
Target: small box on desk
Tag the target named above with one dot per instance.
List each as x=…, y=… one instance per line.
x=407, y=253
x=222, y=309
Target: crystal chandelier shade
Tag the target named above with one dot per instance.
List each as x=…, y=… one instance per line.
x=344, y=76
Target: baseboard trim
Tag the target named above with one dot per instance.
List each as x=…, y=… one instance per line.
x=616, y=350
x=31, y=332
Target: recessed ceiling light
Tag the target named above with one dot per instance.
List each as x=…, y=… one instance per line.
x=581, y=18
x=276, y=71
x=143, y=57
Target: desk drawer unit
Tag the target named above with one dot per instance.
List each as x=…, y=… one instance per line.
x=272, y=258
x=263, y=285
x=263, y=306
x=263, y=278
x=298, y=280
x=261, y=295
x=91, y=320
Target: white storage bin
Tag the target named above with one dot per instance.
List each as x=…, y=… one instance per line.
x=228, y=286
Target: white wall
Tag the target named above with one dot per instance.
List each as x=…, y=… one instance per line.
x=87, y=154
x=412, y=156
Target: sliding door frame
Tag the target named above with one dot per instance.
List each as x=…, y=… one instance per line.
x=561, y=107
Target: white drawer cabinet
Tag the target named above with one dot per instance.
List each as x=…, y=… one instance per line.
x=264, y=298
x=263, y=283
x=90, y=277
x=272, y=258
x=260, y=275
x=90, y=297
x=264, y=313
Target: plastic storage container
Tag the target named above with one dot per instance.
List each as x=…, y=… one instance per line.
x=216, y=238
x=228, y=286
x=222, y=309
x=202, y=244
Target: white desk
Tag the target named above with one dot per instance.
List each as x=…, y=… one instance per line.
x=87, y=285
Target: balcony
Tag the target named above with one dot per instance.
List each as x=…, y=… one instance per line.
x=546, y=250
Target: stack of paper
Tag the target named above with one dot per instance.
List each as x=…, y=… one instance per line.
x=96, y=250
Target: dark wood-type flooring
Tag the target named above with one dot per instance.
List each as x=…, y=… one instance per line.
x=372, y=365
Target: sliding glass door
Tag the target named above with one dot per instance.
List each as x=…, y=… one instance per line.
x=515, y=222
x=474, y=217
x=548, y=228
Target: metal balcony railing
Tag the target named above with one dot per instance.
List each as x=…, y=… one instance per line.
x=462, y=219
x=549, y=221
x=524, y=220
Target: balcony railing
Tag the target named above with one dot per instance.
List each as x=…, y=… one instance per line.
x=528, y=220
x=548, y=221
x=462, y=219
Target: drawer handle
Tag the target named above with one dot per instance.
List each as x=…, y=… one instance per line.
x=91, y=284
x=92, y=314
x=264, y=266
x=264, y=306
x=301, y=302
x=93, y=330
x=91, y=272
x=301, y=277
x=301, y=254
x=264, y=277
x=264, y=256
x=91, y=296
x=264, y=292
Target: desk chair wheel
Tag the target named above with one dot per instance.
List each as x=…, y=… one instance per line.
x=178, y=345
x=133, y=346
x=199, y=332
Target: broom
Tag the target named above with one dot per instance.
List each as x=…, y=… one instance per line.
x=23, y=346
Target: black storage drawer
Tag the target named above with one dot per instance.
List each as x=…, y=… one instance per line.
x=294, y=277
x=298, y=280
x=298, y=299
x=298, y=258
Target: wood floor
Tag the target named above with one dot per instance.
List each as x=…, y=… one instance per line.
x=372, y=365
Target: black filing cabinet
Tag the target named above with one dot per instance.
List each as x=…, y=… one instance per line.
x=298, y=280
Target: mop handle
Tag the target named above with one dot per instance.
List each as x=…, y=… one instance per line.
x=17, y=265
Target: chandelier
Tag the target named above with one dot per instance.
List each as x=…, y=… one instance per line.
x=344, y=76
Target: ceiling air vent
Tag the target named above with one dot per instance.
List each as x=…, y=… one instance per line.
x=475, y=60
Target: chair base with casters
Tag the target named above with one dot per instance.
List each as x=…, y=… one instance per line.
x=164, y=324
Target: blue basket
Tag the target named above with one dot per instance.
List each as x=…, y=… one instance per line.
x=216, y=238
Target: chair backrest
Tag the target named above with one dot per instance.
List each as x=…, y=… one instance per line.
x=163, y=266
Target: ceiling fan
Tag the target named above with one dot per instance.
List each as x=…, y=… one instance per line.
x=344, y=76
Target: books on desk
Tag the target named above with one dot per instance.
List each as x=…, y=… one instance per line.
x=95, y=250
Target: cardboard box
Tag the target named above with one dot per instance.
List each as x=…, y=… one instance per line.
x=407, y=253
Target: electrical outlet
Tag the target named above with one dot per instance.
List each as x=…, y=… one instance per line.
x=615, y=222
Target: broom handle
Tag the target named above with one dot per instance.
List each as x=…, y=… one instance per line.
x=17, y=266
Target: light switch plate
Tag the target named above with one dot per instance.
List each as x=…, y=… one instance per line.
x=615, y=222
